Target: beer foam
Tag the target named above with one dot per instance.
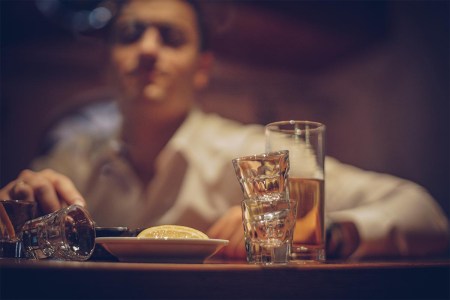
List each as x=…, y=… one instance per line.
x=302, y=159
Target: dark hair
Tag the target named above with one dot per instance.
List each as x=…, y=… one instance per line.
x=200, y=15
x=201, y=23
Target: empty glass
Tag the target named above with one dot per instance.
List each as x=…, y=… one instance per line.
x=67, y=234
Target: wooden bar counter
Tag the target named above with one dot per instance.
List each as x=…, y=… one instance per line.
x=415, y=279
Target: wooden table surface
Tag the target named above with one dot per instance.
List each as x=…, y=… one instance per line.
x=418, y=279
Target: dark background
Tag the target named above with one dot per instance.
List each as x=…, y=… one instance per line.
x=376, y=73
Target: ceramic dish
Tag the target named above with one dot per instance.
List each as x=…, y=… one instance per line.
x=132, y=249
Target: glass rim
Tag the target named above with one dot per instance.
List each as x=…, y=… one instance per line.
x=275, y=126
x=17, y=201
x=267, y=201
x=62, y=215
x=75, y=207
x=261, y=155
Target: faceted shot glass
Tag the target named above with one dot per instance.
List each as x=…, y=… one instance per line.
x=67, y=234
x=268, y=215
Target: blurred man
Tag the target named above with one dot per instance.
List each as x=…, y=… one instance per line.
x=167, y=162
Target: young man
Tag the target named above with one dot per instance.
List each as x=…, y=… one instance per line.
x=169, y=163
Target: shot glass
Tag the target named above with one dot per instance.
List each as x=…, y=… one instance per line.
x=305, y=142
x=268, y=215
x=13, y=214
x=67, y=234
x=268, y=227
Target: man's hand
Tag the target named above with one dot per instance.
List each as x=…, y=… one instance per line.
x=229, y=227
x=51, y=190
x=342, y=240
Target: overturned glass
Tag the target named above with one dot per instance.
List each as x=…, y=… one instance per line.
x=67, y=234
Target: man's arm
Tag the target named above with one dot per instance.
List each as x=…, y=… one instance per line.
x=391, y=216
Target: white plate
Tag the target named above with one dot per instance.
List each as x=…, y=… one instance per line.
x=132, y=249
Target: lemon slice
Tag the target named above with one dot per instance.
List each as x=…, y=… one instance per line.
x=172, y=232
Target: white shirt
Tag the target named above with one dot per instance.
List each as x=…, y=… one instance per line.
x=195, y=184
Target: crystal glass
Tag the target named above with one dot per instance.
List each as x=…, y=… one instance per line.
x=267, y=212
x=67, y=234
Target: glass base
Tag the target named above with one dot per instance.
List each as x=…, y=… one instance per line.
x=11, y=249
x=267, y=255
x=307, y=256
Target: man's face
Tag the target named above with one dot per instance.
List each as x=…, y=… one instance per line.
x=156, y=56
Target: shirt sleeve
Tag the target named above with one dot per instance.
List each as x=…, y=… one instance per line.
x=393, y=216
x=72, y=157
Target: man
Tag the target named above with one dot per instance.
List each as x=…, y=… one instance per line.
x=169, y=163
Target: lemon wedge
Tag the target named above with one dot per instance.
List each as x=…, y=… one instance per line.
x=172, y=232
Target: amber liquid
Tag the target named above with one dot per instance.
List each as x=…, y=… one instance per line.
x=309, y=235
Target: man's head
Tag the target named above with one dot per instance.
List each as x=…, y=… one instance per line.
x=199, y=14
x=159, y=54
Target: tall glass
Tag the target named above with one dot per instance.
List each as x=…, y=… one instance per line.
x=305, y=141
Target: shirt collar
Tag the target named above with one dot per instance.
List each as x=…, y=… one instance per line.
x=181, y=140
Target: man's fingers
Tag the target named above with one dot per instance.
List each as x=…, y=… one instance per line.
x=236, y=248
x=222, y=229
x=237, y=245
x=21, y=191
x=17, y=190
x=44, y=193
x=229, y=227
x=65, y=188
x=5, y=192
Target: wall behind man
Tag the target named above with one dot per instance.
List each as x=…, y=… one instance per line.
x=375, y=73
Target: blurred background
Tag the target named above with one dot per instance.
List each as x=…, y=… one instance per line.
x=376, y=73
